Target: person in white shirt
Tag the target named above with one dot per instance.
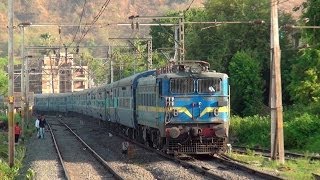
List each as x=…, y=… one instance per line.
x=36, y=124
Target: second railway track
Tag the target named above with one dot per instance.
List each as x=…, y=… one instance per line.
x=77, y=160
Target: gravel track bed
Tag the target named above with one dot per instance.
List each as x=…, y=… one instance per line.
x=141, y=164
x=79, y=162
x=42, y=158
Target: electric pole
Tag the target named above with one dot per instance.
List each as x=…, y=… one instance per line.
x=10, y=85
x=23, y=87
x=149, y=66
x=111, y=63
x=277, y=144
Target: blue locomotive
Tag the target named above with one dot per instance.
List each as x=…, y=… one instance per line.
x=181, y=108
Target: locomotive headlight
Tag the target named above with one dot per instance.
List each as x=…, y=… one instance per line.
x=215, y=111
x=175, y=112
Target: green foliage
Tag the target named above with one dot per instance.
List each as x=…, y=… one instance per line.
x=5, y=171
x=305, y=77
x=300, y=168
x=251, y=131
x=311, y=11
x=246, y=84
x=47, y=39
x=3, y=7
x=222, y=40
x=3, y=77
x=30, y=174
x=301, y=129
x=219, y=43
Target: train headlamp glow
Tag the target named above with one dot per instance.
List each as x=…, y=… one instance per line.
x=215, y=111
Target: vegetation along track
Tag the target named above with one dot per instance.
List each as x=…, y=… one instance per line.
x=212, y=170
x=76, y=161
x=266, y=153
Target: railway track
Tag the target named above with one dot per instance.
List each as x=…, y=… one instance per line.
x=266, y=153
x=236, y=164
x=229, y=170
x=86, y=164
x=211, y=168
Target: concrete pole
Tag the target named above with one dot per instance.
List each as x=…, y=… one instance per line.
x=23, y=87
x=10, y=85
x=27, y=90
x=272, y=104
x=279, y=144
x=181, y=40
x=176, y=45
x=149, y=66
x=111, y=63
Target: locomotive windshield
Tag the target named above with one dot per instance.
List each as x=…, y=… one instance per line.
x=182, y=85
x=209, y=85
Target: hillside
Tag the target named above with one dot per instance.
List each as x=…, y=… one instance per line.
x=70, y=12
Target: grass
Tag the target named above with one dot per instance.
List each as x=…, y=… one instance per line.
x=300, y=168
x=5, y=171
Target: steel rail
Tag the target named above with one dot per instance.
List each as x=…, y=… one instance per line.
x=95, y=154
x=65, y=172
x=242, y=150
x=231, y=162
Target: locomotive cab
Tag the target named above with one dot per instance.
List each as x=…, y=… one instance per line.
x=196, y=103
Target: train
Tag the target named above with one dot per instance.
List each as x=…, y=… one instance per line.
x=180, y=108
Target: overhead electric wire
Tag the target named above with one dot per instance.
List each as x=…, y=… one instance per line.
x=95, y=19
x=78, y=29
x=189, y=6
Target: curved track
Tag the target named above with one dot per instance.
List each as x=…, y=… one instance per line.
x=79, y=161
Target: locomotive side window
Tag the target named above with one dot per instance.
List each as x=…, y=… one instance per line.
x=209, y=85
x=182, y=85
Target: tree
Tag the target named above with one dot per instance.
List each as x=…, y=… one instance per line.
x=219, y=43
x=3, y=77
x=246, y=84
x=305, y=77
x=311, y=17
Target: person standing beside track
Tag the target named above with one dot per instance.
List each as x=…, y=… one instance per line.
x=42, y=124
x=36, y=124
x=17, y=132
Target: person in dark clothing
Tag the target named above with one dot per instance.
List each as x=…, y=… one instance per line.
x=42, y=124
x=17, y=132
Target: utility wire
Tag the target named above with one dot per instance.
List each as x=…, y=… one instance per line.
x=189, y=6
x=95, y=19
x=78, y=29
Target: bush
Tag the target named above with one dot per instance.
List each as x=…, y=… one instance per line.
x=301, y=130
x=251, y=131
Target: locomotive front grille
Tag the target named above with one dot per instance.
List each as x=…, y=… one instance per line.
x=211, y=145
